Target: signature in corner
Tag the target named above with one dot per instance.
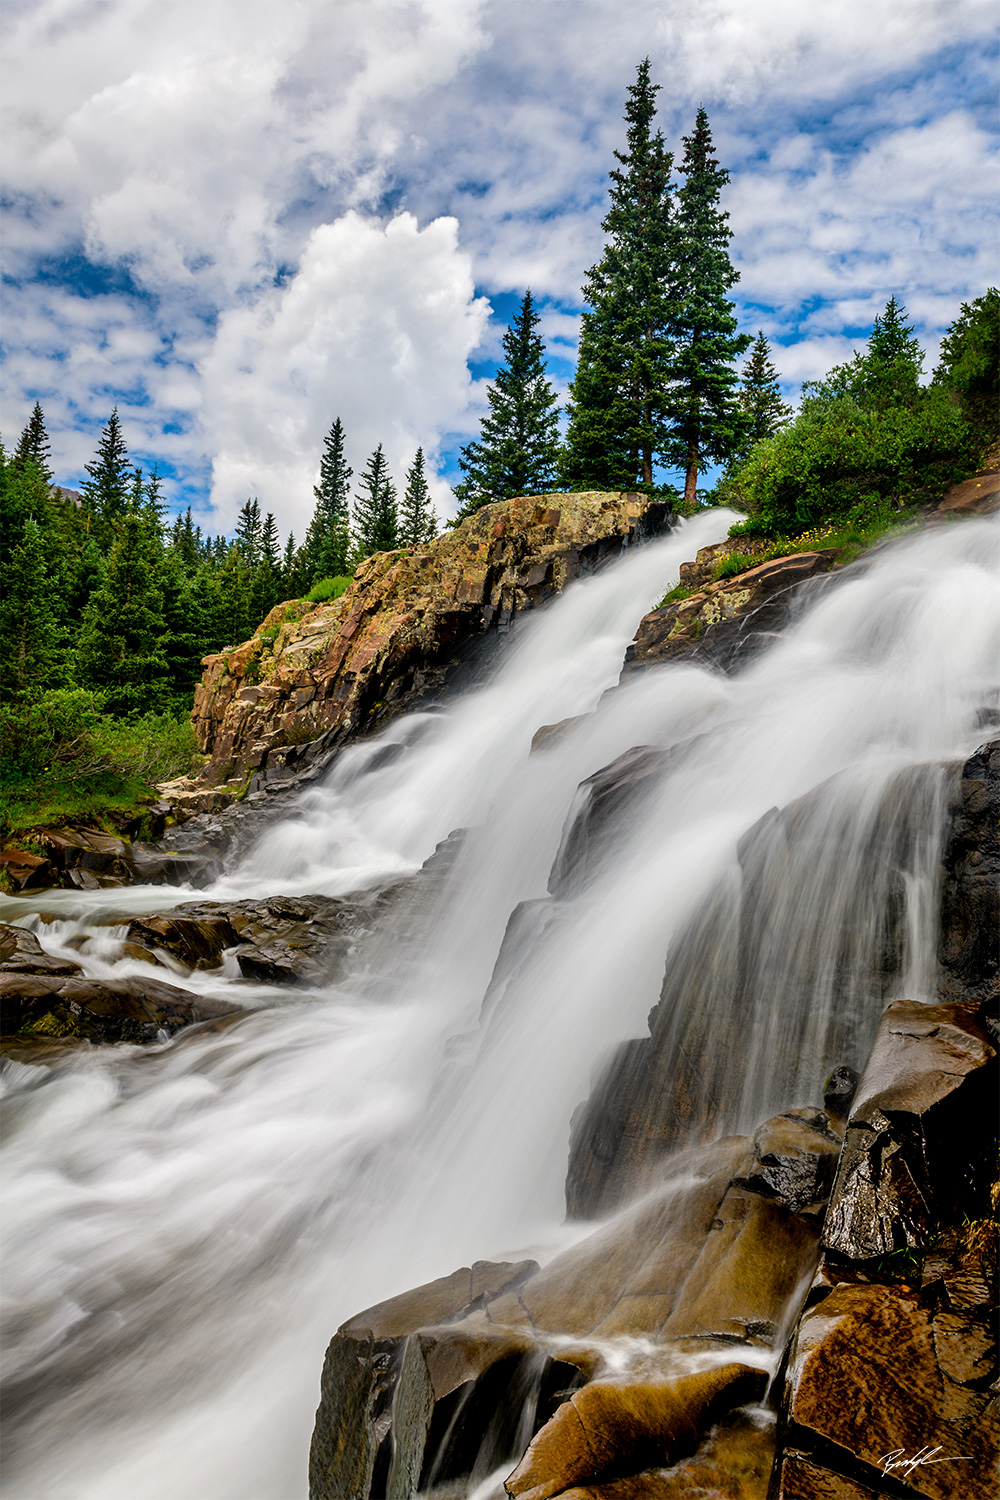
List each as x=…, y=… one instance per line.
x=897, y=1459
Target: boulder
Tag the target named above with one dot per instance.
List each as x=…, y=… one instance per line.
x=322, y=674
x=616, y=1427
x=197, y=941
x=978, y=496
x=907, y=1165
x=603, y=805
x=352, y=1445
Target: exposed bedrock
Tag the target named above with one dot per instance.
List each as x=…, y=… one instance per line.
x=401, y=630
x=725, y=623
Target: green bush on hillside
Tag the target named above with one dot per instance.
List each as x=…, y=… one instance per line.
x=327, y=589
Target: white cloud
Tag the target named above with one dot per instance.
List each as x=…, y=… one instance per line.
x=376, y=327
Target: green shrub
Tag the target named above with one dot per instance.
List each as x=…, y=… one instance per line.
x=327, y=589
x=675, y=596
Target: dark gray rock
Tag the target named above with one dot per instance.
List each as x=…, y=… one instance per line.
x=970, y=906
x=927, y=1094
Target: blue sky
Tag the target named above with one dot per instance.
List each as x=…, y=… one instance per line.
x=237, y=220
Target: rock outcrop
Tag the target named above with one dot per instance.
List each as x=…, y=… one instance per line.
x=724, y=623
x=407, y=620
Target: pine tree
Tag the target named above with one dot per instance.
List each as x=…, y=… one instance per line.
x=518, y=447
x=706, y=420
x=118, y=647
x=885, y=373
x=328, y=539
x=417, y=521
x=376, y=522
x=33, y=444
x=106, y=492
x=616, y=424
x=28, y=631
x=760, y=396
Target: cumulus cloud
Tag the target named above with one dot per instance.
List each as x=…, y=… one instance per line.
x=376, y=327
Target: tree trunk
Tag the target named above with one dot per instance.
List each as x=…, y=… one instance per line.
x=647, y=465
x=691, y=481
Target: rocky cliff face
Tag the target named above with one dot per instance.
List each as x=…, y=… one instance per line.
x=408, y=619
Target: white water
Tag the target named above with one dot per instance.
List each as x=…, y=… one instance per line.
x=187, y=1224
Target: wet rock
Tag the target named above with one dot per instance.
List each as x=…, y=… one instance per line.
x=352, y=1442
x=865, y=1376
x=801, y=1478
x=398, y=633
x=86, y=848
x=726, y=621
x=196, y=941
x=49, y=1007
x=970, y=906
x=794, y=1160
x=978, y=496
x=24, y=871
x=22, y=953
x=603, y=805
x=611, y=1428
x=906, y=1165
x=838, y=1093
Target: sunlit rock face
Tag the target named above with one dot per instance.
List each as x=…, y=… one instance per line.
x=405, y=623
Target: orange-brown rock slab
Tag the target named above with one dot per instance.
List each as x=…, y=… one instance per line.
x=611, y=1429
x=802, y=1479
x=733, y=1463
x=866, y=1377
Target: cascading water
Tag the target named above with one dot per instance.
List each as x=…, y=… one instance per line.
x=186, y=1224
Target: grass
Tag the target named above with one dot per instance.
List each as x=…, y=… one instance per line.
x=848, y=539
x=675, y=596
x=53, y=801
x=327, y=589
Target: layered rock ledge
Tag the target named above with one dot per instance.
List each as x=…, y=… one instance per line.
x=407, y=621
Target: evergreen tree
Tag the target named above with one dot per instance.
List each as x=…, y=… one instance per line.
x=970, y=362
x=706, y=420
x=376, y=522
x=24, y=493
x=616, y=418
x=328, y=539
x=248, y=533
x=417, y=521
x=518, y=447
x=118, y=648
x=106, y=492
x=28, y=631
x=33, y=445
x=760, y=396
x=886, y=373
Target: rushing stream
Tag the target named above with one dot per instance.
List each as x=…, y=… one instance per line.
x=186, y=1224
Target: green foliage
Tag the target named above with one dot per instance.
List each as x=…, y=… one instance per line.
x=675, y=595
x=706, y=419
x=376, y=521
x=328, y=539
x=119, y=644
x=417, y=521
x=106, y=491
x=616, y=409
x=327, y=589
x=518, y=446
x=970, y=363
x=760, y=396
x=28, y=633
x=33, y=445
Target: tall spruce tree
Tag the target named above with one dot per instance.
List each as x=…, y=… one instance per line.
x=518, y=448
x=702, y=402
x=248, y=533
x=760, y=396
x=33, y=444
x=616, y=417
x=376, y=521
x=106, y=492
x=118, y=649
x=417, y=521
x=328, y=540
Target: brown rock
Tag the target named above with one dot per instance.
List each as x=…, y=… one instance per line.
x=610, y=1428
x=25, y=871
x=22, y=953
x=49, y=1007
x=800, y=1478
x=197, y=941
x=978, y=496
x=733, y=1463
x=865, y=1376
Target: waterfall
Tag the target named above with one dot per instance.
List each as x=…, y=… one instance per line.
x=187, y=1223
